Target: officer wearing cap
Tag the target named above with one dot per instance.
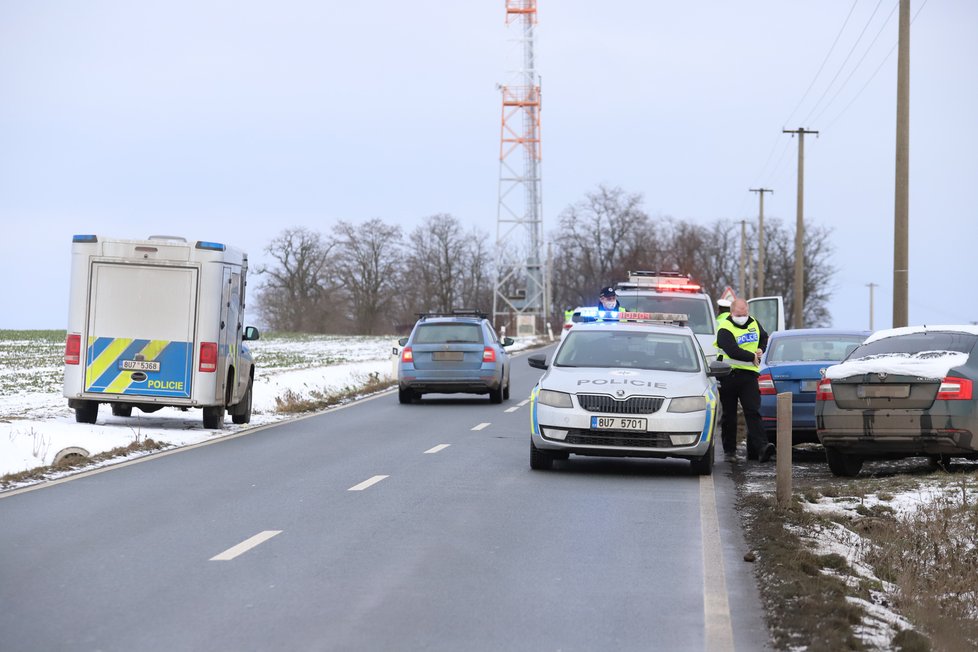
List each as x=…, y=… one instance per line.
x=608, y=300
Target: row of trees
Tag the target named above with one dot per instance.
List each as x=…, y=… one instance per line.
x=372, y=278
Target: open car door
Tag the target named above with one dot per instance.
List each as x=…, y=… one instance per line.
x=769, y=311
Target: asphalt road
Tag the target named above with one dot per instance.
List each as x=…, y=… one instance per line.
x=379, y=526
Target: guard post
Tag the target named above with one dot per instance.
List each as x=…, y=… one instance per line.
x=783, y=470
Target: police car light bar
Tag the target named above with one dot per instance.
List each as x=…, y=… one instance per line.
x=662, y=281
x=594, y=314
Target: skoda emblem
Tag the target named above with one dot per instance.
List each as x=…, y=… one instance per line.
x=619, y=392
x=882, y=375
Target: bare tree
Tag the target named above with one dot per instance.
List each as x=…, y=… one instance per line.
x=367, y=264
x=295, y=292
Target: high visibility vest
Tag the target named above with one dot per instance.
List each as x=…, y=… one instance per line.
x=723, y=315
x=747, y=337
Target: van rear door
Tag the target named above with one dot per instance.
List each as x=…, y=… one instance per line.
x=141, y=328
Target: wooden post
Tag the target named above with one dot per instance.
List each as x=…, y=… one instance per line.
x=783, y=470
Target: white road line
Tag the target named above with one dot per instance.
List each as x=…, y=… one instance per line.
x=481, y=426
x=523, y=402
x=245, y=545
x=368, y=483
x=439, y=447
x=716, y=608
x=514, y=408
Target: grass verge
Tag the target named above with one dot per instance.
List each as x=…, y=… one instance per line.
x=292, y=402
x=71, y=462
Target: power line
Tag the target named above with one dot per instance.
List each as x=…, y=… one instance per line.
x=845, y=61
x=858, y=63
x=824, y=61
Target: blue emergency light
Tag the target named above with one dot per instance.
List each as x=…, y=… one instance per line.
x=213, y=246
x=84, y=238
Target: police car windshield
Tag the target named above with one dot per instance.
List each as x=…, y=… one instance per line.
x=701, y=320
x=448, y=333
x=623, y=349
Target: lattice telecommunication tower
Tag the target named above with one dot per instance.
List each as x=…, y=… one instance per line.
x=520, y=289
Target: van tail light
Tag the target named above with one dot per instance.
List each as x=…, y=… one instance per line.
x=824, y=390
x=208, y=356
x=766, y=384
x=73, y=349
x=407, y=355
x=488, y=354
x=954, y=389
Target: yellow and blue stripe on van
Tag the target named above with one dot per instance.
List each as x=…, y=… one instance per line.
x=104, y=373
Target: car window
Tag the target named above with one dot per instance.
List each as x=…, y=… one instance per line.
x=701, y=318
x=816, y=348
x=919, y=342
x=617, y=349
x=448, y=333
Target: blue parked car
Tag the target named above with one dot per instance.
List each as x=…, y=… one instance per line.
x=794, y=362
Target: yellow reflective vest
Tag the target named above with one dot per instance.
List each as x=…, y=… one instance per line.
x=747, y=337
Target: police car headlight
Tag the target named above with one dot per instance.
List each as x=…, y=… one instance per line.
x=687, y=404
x=555, y=399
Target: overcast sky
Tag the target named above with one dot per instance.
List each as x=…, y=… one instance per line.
x=231, y=121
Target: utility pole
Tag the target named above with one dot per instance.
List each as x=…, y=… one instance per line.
x=871, y=286
x=901, y=205
x=799, y=290
x=760, y=241
x=743, y=256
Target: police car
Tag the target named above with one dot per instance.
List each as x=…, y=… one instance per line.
x=627, y=384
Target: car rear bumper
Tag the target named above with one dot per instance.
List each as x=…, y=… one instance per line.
x=442, y=382
x=899, y=443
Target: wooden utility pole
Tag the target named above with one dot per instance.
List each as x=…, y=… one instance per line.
x=743, y=256
x=871, y=286
x=797, y=319
x=901, y=205
x=760, y=241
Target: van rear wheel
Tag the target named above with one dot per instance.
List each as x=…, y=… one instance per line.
x=86, y=411
x=214, y=417
x=245, y=415
x=122, y=409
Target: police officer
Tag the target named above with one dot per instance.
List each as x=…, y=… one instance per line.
x=742, y=340
x=608, y=300
x=722, y=312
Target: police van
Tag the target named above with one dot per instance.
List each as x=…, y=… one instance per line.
x=158, y=323
x=673, y=292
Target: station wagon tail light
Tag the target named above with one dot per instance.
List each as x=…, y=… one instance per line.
x=488, y=354
x=73, y=349
x=824, y=390
x=954, y=389
x=208, y=356
x=407, y=355
x=766, y=384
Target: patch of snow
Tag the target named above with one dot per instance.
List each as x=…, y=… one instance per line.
x=910, y=330
x=922, y=364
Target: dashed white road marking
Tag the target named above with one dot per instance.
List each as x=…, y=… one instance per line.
x=514, y=408
x=716, y=607
x=481, y=426
x=368, y=483
x=435, y=449
x=523, y=402
x=245, y=545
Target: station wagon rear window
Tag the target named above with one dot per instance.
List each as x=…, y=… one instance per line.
x=448, y=334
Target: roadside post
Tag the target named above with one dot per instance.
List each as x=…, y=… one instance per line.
x=783, y=470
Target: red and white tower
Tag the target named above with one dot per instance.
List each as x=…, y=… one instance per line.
x=521, y=287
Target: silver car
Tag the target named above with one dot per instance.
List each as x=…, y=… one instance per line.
x=636, y=388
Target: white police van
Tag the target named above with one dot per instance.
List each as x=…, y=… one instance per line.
x=158, y=323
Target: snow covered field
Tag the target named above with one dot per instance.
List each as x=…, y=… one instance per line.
x=36, y=424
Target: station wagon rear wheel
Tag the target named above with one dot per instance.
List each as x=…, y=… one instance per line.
x=496, y=395
x=842, y=464
x=405, y=395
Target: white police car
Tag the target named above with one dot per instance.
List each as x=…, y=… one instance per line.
x=627, y=385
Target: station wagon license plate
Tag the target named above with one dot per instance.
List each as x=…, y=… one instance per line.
x=447, y=356
x=618, y=423
x=883, y=391
x=139, y=365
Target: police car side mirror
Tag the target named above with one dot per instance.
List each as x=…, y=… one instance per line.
x=538, y=361
x=718, y=369
x=508, y=341
x=402, y=341
x=250, y=334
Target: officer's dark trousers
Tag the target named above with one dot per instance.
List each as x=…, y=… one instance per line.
x=741, y=385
